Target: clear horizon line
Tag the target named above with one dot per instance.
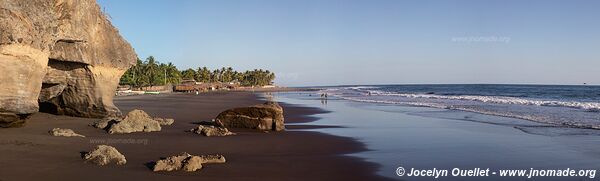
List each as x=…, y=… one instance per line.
x=385, y=84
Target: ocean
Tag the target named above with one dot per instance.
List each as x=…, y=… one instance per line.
x=560, y=105
x=463, y=126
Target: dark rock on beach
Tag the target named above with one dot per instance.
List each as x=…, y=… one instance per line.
x=267, y=116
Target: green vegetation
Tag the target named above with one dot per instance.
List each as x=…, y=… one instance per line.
x=152, y=72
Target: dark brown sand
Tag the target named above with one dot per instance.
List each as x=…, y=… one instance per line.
x=30, y=153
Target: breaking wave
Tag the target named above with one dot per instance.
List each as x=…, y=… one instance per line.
x=568, y=113
x=591, y=106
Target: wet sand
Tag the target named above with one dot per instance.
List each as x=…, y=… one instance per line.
x=30, y=153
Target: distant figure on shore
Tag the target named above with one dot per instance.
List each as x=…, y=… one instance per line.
x=324, y=96
x=197, y=92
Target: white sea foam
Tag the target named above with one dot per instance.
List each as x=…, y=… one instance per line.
x=535, y=118
x=362, y=87
x=545, y=113
x=592, y=106
x=421, y=104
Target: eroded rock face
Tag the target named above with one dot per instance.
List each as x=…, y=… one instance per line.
x=186, y=162
x=211, y=131
x=59, y=56
x=104, y=155
x=267, y=116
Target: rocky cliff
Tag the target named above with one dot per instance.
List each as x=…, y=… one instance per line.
x=58, y=56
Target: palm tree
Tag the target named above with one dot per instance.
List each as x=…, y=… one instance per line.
x=228, y=74
x=152, y=71
x=138, y=75
x=188, y=74
x=216, y=75
x=173, y=75
x=203, y=75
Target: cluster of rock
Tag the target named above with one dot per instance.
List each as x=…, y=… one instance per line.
x=104, y=155
x=186, y=162
x=135, y=121
x=64, y=132
x=211, y=131
x=267, y=116
x=61, y=57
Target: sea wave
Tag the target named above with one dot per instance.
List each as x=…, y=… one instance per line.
x=590, y=106
x=362, y=87
x=420, y=104
x=535, y=118
x=555, y=112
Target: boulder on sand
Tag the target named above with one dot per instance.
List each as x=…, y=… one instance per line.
x=64, y=132
x=186, y=162
x=134, y=121
x=104, y=154
x=213, y=159
x=267, y=116
x=61, y=57
x=211, y=131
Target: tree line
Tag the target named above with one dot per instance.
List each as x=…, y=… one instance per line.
x=151, y=73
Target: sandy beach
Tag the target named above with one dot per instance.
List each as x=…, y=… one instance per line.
x=30, y=153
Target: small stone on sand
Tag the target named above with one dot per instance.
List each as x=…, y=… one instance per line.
x=104, y=154
x=64, y=132
x=211, y=131
x=186, y=162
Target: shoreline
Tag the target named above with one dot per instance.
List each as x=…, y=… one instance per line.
x=427, y=138
x=295, y=154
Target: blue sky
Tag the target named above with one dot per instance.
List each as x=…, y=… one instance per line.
x=333, y=42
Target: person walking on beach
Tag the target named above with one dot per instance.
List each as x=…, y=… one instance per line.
x=324, y=96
